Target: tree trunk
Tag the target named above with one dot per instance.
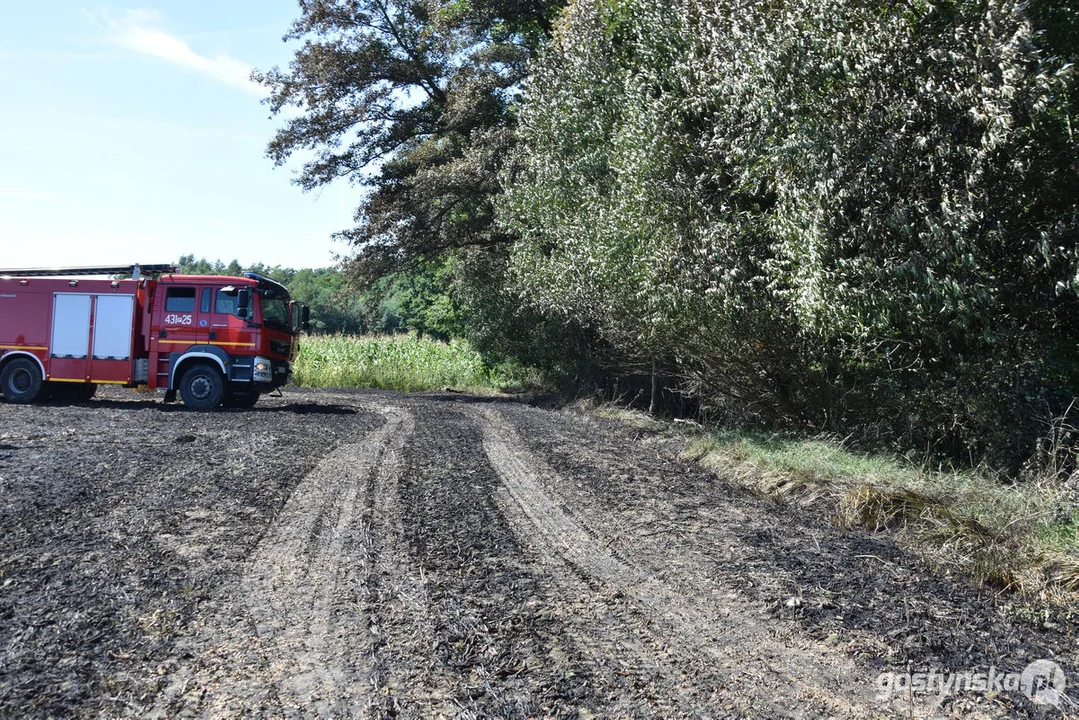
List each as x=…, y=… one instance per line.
x=653, y=404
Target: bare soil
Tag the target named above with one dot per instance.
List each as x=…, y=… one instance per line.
x=368, y=554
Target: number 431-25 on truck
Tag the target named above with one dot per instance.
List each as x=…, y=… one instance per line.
x=216, y=340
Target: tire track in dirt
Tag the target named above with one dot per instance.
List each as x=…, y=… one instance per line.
x=306, y=642
x=500, y=645
x=305, y=582
x=403, y=676
x=758, y=672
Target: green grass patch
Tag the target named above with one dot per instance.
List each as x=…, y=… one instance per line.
x=406, y=363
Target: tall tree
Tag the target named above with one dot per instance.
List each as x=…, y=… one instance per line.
x=410, y=98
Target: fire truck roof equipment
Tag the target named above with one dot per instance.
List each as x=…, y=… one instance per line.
x=135, y=271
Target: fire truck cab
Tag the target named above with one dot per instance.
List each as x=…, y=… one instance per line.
x=215, y=340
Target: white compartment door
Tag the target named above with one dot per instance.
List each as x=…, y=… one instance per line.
x=113, y=327
x=70, y=325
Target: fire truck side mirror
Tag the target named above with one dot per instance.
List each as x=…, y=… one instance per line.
x=243, y=303
x=305, y=319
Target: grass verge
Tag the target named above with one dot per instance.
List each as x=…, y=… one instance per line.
x=406, y=363
x=1021, y=537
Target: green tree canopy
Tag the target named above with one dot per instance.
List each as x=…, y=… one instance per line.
x=411, y=99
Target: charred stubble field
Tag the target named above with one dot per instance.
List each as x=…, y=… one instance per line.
x=366, y=554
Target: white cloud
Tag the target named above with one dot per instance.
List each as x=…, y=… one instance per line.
x=136, y=32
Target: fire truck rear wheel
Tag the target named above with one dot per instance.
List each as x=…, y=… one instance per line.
x=20, y=380
x=202, y=387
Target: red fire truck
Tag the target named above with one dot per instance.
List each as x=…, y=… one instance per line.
x=215, y=340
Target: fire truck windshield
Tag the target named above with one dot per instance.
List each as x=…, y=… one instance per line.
x=275, y=313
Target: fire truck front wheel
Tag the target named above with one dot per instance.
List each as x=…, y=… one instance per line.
x=20, y=380
x=202, y=387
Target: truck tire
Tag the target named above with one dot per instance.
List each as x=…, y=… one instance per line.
x=202, y=387
x=20, y=380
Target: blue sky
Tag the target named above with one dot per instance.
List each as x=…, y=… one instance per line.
x=130, y=133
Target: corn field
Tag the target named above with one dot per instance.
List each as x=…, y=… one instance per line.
x=406, y=363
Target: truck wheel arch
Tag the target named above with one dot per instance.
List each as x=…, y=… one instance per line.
x=32, y=373
x=11, y=355
x=180, y=362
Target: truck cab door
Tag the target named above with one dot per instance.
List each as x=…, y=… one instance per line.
x=182, y=321
x=227, y=328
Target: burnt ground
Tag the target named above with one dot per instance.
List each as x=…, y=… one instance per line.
x=367, y=554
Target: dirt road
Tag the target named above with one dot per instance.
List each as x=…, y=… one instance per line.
x=363, y=554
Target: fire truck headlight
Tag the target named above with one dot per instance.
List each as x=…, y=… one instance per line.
x=263, y=370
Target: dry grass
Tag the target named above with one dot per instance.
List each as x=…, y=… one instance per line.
x=877, y=509
x=1062, y=571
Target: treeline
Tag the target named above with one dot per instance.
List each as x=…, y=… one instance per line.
x=409, y=302
x=859, y=218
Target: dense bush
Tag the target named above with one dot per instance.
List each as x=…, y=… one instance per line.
x=847, y=216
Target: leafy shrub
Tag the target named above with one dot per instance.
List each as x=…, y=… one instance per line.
x=852, y=217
